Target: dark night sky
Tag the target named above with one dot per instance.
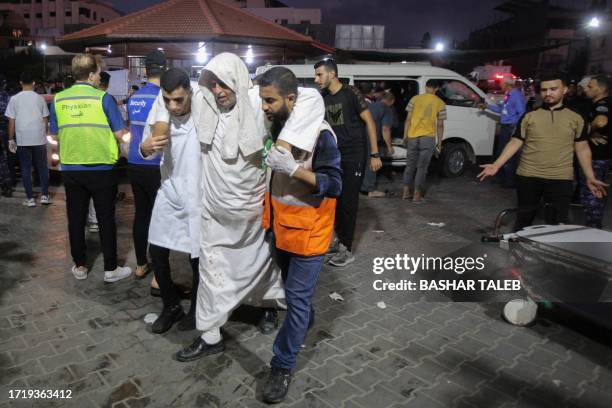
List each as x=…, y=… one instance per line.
x=405, y=20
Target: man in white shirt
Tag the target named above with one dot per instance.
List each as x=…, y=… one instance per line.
x=28, y=115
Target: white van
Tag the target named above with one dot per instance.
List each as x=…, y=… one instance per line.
x=468, y=132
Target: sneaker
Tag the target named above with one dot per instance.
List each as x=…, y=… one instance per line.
x=121, y=272
x=333, y=247
x=29, y=202
x=45, y=200
x=79, y=272
x=343, y=257
x=277, y=386
x=93, y=227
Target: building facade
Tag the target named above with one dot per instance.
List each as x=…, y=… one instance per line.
x=531, y=25
x=50, y=19
x=599, y=53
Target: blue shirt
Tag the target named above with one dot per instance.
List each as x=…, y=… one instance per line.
x=138, y=107
x=383, y=117
x=115, y=121
x=326, y=166
x=512, y=109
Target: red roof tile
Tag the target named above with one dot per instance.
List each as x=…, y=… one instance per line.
x=199, y=20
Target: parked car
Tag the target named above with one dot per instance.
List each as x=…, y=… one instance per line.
x=469, y=132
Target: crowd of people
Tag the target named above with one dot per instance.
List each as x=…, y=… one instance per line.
x=259, y=184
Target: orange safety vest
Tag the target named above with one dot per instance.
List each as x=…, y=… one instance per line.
x=303, y=224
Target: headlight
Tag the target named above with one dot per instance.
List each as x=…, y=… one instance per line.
x=51, y=140
x=126, y=138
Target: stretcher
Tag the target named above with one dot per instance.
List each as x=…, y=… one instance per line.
x=566, y=266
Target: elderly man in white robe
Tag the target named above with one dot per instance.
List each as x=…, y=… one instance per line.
x=236, y=265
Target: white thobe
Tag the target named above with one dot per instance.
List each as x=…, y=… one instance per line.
x=175, y=220
x=236, y=264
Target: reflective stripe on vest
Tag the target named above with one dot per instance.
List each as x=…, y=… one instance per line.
x=303, y=224
x=84, y=134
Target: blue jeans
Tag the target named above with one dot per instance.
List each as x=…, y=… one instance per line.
x=300, y=275
x=593, y=207
x=38, y=155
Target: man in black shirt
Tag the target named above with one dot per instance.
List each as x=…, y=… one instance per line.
x=600, y=142
x=347, y=113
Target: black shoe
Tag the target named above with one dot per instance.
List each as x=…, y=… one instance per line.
x=199, y=348
x=187, y=323
x=168, y=317
x=268, y=322
x=277, y=386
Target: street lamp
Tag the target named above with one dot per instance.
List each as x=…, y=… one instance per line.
x=439, y=47
x=43, y=47
x=249, y=55
x=201, y=55
x=594, y=23
x=591, y=26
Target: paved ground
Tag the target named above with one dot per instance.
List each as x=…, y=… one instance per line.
x=90, y=338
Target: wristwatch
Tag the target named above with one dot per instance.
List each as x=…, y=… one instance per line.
x=375, y=155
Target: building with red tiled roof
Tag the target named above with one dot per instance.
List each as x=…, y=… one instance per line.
x=174, y=24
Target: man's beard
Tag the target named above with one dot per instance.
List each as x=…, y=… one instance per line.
x=553, y=103
x=278, y=121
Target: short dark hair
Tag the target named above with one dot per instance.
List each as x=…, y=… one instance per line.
x=281, y=78
x=602, y=80
x=387, y=96
x=432, y=83
x=104, y=78
x=173, y=79
x=26, y=78
x=366, y=87
x=329, y=64
x=555, y=76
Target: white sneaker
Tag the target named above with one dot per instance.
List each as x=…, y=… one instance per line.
x=45, y=200
x=29, y=202
x=80, y=273
x=121, y=272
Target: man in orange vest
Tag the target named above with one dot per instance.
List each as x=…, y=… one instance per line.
x=299, y=208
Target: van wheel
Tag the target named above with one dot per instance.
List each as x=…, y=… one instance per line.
x=454, y=160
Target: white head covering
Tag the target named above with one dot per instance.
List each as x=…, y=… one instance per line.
x=243, y=130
